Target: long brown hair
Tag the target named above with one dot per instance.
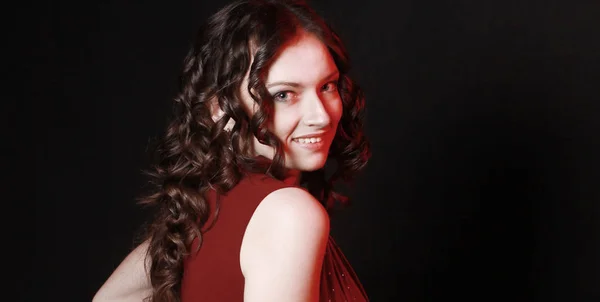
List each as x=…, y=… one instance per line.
x=196, y=154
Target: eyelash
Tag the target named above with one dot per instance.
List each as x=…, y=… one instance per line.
x=276, y=98
x=335, y=85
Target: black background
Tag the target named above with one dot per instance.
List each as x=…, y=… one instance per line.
x=483, y=115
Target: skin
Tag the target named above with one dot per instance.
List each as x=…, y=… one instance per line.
x=129, y=282
x=303, y=82
x=284, y=243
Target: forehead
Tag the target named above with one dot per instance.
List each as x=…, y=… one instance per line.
x=304, y=60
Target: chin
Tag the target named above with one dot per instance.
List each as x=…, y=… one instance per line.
x=310, y=164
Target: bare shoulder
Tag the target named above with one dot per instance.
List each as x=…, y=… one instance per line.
x=286, y=236
x=290, y=214
x=289, y=206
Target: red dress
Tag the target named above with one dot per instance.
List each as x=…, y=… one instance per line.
x=214, y=273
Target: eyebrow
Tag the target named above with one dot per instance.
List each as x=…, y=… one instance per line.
x=296, y=85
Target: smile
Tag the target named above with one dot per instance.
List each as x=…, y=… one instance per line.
x=308, y=140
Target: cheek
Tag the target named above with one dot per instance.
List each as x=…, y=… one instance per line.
x=336, y=110
x=284, y=123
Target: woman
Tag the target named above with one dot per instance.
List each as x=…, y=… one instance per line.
x=265, y=106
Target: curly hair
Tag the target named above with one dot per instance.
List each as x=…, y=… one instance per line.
x=196, y=154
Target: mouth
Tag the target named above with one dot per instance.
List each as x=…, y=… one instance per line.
x=308, y=140
x=312, y=142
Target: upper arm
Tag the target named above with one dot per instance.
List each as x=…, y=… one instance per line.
x=283, y=247
x=129, y=281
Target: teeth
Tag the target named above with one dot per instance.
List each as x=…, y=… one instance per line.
x=311, y=140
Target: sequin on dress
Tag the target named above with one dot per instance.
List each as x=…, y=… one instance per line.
x=339, y=283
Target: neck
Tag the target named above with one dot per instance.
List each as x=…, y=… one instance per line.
x=292, y=177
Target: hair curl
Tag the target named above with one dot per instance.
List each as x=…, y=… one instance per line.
x=196, y=154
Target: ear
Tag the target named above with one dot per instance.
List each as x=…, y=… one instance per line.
x=215, y=110
x=217, y=113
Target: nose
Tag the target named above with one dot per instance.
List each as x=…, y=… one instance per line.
x=316, y=113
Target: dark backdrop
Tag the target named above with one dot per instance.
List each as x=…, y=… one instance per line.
x=483, y=116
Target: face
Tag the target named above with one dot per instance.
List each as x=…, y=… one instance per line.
x=307, y=106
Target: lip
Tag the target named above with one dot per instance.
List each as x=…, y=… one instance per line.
x=323, y=135
x=315, y=134
x=311, y=146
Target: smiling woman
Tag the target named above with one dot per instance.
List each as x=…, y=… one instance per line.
x=241, y=193
x=307, y=105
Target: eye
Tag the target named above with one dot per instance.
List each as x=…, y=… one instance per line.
x=283, y=96
x=330, y=87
